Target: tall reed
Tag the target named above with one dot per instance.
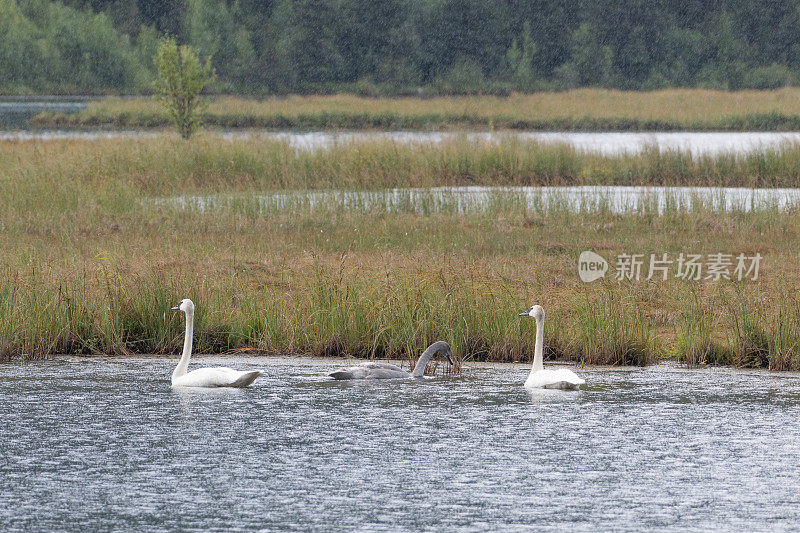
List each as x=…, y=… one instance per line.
x=697, y=341
x=167, y=165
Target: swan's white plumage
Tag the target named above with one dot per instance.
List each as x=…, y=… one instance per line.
x=540, y=377
x=558, y=378
x=216, y=377
x=205, y=377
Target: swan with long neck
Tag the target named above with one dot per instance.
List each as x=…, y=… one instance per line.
x=377, y=370
x=204, y=377
x=559, y=378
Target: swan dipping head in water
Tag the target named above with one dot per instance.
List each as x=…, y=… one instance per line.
x=375, y=370
x=204, y=377
x=559, y=378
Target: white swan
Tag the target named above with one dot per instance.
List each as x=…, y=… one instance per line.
x=373, y=370
x=204, y=377
x=560, y=378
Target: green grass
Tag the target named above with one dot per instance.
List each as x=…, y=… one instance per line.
x=748, y=329
x=695, y=342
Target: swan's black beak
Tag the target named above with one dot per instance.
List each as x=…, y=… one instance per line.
x=450, y=359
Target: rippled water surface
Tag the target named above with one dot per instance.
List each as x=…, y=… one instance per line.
x=107, y=444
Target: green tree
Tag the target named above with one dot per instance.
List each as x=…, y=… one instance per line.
x=314, y=50
x=181, y=79
x=81, y=51
x=591, y=63
x=731, y=52
x=473, y=30
x=520, y=59
x=21, y=56
x=262, y=46
x=214, y=31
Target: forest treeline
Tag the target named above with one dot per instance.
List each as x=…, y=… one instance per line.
x=390, y=47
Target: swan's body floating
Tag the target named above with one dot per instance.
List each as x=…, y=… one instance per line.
x=560, y=378
x=205, y=377
x=373, y=370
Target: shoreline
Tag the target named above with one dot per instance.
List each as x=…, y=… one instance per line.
x=666, y=364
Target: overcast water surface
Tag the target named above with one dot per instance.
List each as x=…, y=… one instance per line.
x=107, y=444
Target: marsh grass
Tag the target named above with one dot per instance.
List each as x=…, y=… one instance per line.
x=167, y=165
x=583, y=109
x=91, y=262
x=333, y=313
x=767, y=328
x=345, y=306
x=751, y=340
x=696, y=342
x=785, y=333
x=743, y=328
x=611, y=330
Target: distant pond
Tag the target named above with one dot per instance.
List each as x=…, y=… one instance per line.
x=15, y=112
x=607, y=143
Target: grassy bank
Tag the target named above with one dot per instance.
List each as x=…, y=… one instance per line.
x=580, y=110
x=91, y=264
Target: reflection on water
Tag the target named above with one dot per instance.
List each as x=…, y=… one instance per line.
x=189, y=397
x=616, y=199
x=109, y=445
x=60, y=135
x=606, y=143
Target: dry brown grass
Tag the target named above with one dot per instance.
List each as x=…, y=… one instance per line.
x=578, y=109
x=667, y=105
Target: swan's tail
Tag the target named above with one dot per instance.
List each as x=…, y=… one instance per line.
x=246, y=378
x=342, y=374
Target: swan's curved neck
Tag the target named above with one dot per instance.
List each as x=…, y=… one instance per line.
x=538, y=356
x=422, y=362
x=183, y=364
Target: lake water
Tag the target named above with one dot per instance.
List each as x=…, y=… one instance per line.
x=616, y=199
x=609, y=143
x=107, y=444
x=15, y=112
